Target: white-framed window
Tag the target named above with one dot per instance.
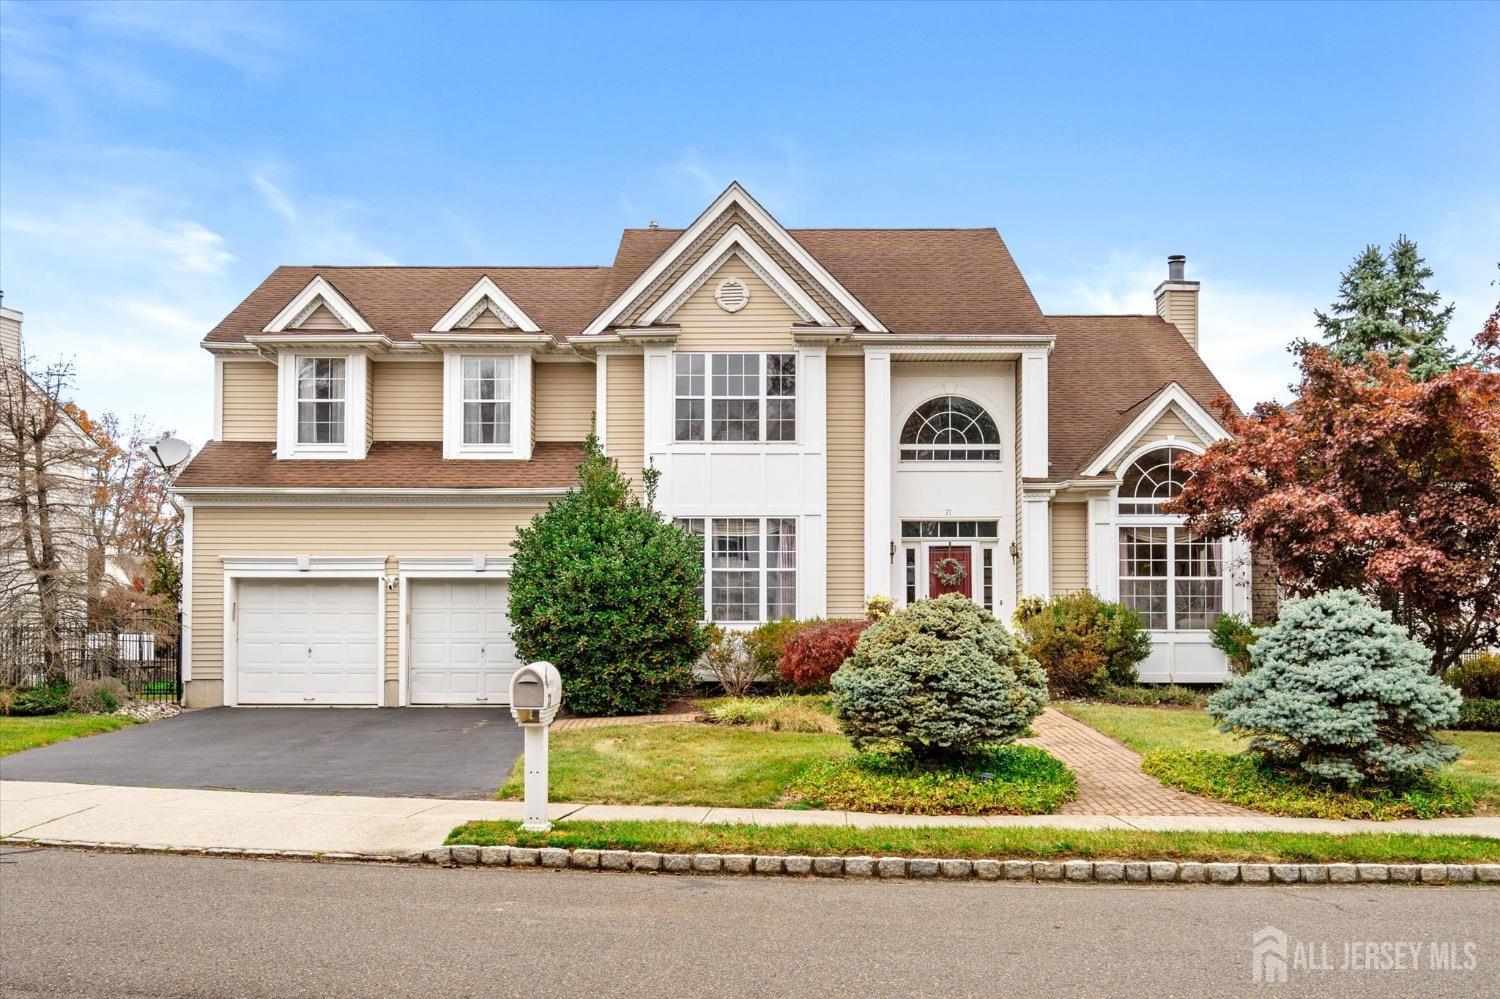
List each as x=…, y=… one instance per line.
x=322, y=389
x=1173, y=580
x=728, y=398
x=322, y=401
x=950, y=428
x=486, y=400
x=749, y=567
x=487, y=405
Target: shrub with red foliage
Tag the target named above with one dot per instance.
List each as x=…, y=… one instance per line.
x=816, y=650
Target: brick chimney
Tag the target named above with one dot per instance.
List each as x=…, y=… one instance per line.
x=10, y=335
x=1177, y=299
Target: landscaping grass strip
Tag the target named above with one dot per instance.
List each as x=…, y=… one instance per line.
x=18, y=734
x=961, y=842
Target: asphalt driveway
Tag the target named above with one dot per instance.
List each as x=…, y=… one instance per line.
x=396, y=752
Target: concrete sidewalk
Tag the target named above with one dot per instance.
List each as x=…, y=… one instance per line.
x=159, y=817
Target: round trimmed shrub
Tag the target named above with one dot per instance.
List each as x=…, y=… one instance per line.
x=607, y=591
x=1478, y=677
x=942, y=679
x=1085, y=645
x=1342, y=692
x=817, y=650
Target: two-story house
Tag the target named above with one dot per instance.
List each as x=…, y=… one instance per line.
x=839, y=413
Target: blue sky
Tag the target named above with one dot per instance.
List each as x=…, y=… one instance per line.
x=157, y=160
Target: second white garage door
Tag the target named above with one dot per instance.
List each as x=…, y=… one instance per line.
x=461, y=649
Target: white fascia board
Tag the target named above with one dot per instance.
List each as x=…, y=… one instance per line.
x=323, y=565
x=1173, y=395
x=486, y=288
x=735, y=195
x=317, y=288
x=454, y=565
x=738, y=242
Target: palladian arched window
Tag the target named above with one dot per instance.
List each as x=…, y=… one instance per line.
x=950, y=428
x=1173, y=580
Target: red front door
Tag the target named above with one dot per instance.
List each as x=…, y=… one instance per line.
x=950, y=569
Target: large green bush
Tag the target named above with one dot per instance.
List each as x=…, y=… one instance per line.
x=1477, y=677
x=1084, y=644
x=942, y=679
x=607, y=591
x=1341, y=691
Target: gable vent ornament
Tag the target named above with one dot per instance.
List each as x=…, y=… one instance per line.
x=732, y=294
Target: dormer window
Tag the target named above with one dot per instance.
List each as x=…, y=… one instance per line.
x=321, y=397
x=487, y=404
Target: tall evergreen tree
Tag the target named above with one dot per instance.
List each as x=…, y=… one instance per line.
x=1384, y=305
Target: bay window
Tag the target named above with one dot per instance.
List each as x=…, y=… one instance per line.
x=750, y=567
x=735, y=397
x=1173, y=580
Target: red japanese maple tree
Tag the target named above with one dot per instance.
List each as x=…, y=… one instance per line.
x=1374, y=481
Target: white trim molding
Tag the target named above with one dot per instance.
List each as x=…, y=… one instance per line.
x=318, y=291
x=735, y=196
x=1036, y=544
x=293, y=567
x=1034, y=431
x=1173, y=395
x=879, y=483
x=485, y=295
x=736, y=244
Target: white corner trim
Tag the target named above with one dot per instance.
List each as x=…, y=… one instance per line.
x=185, y=638
x=507, y=311
x=601, y=399
x=736, y=196
x=1173, y=395
x=304, y=565
x=736, y=243
x=307, y=299
x=218, y=397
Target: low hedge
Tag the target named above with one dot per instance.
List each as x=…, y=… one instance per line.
x=1251, y=781
x=1008, y=780
x=1479, y=714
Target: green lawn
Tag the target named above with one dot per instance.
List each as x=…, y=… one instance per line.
x=1150, y=730
x=17, y=734
x=710, y=765
x=1038, y=843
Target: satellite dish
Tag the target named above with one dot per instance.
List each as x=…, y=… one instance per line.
x=168, y=452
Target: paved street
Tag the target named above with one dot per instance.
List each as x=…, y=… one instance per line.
x=102, y=924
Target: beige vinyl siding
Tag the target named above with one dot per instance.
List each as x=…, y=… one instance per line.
x=1170, y=425
x=322, y=318
x=765, y=323
x=1180, y=308
x=249, y=401
x=408, y=400
x=846, y=486
x=625, y=412
x=564, y=394
x=1070, y=557
x=395, y=532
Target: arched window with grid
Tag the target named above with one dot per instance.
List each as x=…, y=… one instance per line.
x=950, y=428
x=1173, y=580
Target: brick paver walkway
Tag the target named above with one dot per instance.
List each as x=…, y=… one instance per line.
x=1110, y=780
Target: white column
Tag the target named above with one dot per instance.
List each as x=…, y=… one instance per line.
x=1104, y=568
x=812, y=435
x=877, y=472
x=535, y=762
x=1036, y=546
x=601, y=395
x=657, y=382
x=1034, y=414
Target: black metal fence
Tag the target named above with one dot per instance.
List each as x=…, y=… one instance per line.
x=144, y=655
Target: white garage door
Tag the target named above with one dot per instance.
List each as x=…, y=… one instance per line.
x=308, y=641
x=461, y=650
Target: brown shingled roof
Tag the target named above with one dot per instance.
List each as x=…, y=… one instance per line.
x=915, y=280
x=389, y=465
x=1103, y=371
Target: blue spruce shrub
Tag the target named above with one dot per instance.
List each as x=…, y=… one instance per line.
x=1341, y=691
x=942, y=679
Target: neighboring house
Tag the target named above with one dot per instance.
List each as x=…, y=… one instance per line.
x=839, y=412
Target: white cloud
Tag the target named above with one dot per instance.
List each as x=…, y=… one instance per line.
x=319, y=229
x=113, y=222
x=1243, y=330
x=274, y=197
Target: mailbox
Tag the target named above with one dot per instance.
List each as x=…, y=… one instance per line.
x=535, y=694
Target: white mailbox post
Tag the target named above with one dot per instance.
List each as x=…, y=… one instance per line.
x=535, y=696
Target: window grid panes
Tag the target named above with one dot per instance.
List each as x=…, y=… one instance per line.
x=950, y=428
x=1198, y=580
x=950, y=528
x=989, y=579
x=486, y=400
x=911, y=576
x=750, y=569
x=1171, y=579
x=1151, y=480
x=735, y=398
x=321, y=395
x=694, y=526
